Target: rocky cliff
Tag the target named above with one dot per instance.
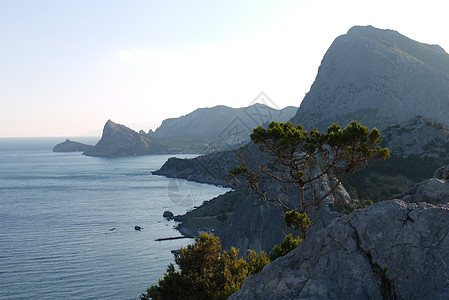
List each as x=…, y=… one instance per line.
x=418, y=146
x=119, y=140
x=380, y=78
x=391, y=250
x=212, y=168
x=259, y=226
x=245, y=222
x=71, y=146
x=417, y=136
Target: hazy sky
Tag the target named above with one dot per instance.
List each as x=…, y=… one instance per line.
x=66, y=67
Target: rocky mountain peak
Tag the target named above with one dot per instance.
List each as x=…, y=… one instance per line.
x=119, y=140
x=378, y=77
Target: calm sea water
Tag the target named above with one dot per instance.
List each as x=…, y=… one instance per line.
x=56, y=215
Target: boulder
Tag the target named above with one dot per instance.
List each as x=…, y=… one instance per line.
x=434, y=190
x=168, y=215
x=442, y=173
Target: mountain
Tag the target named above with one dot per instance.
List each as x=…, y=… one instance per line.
x=222, y=126
x=71, y=146
x=395, y=249
x=379, y=78
x=119, y=140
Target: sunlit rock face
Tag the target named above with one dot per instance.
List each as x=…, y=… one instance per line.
x=379, y=78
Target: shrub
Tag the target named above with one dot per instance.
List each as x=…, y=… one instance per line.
x=286, y=246
x=206, y=272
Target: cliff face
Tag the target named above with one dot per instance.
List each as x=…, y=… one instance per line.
x=391, y=250
x=119, y=140
x=418, y=136
x=260, y=226
x=250, y=224
x=379, y=78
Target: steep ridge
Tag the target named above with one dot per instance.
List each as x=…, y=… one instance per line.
x=391, y=250
x=119, y=140
x=379, y=78
x=224, y=127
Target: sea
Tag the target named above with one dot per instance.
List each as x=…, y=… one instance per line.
x=67, y=221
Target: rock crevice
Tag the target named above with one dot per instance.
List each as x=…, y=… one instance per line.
x=391, y=250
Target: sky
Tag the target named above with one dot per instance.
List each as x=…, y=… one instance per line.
x=66, y=67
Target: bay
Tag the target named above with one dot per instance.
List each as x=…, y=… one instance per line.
x=67, y=221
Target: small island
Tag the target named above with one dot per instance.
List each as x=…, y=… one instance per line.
x=71, y=146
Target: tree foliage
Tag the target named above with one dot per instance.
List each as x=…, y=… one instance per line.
x=285, y=247
x=206, y=272
x=301, y=160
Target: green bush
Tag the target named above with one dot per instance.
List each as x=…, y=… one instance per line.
x=206, y=272
x=286, y=246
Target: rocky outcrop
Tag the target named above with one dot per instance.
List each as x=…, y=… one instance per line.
x=119, y=140
x=168, y=215
x=250, y=224
x=417, y=136
x=379, y=78
x=71, y=146
x=442, y=173
x=212, y=168
x=434, y=190
x=391, y=250
x=260, y=226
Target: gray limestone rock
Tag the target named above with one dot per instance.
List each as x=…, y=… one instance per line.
x=379, y=78
x=442, y=173
x=434, y=190
x=391, y=250
x=260, y=226
x=417, y=136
